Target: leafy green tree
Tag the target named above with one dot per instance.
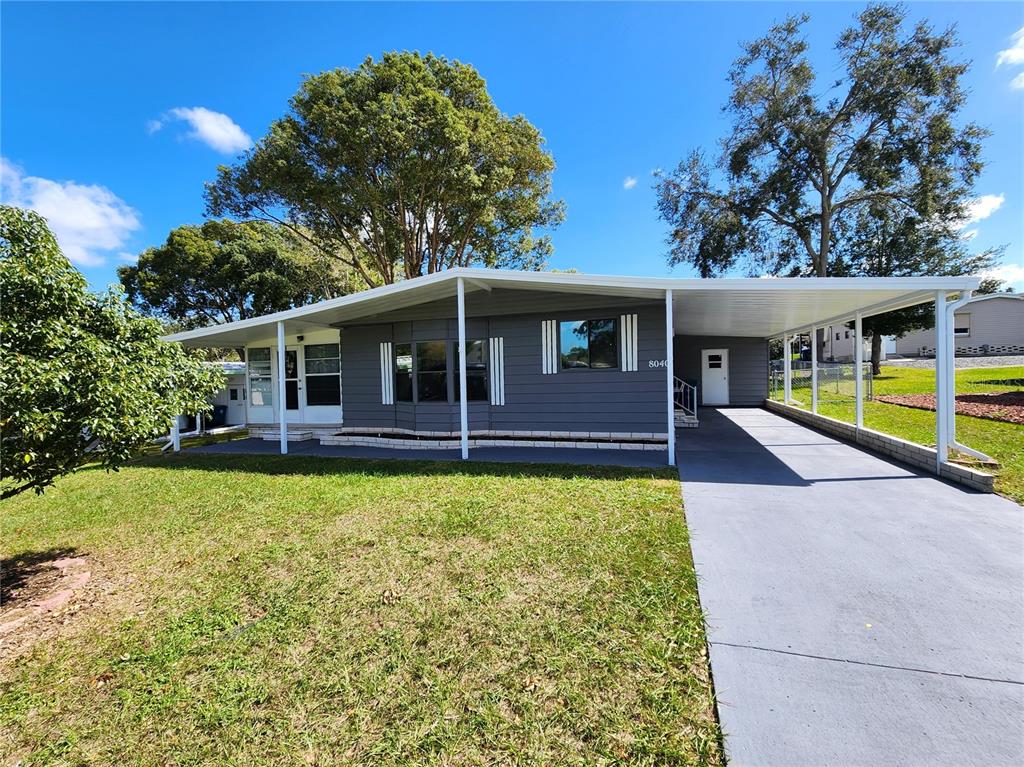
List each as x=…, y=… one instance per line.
x=83, y=377
x=224, y=271
x=885, y=240
x=803, y=161
x=399, y=168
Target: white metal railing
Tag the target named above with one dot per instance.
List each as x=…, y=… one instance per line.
x=685, y=397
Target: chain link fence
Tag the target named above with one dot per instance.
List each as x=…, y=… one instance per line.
x=836, y=381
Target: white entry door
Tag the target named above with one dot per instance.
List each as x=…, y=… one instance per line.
x=714, y=376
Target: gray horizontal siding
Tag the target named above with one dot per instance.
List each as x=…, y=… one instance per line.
x=576, y=400
x=748, y=365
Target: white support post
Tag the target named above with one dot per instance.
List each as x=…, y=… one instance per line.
x=787, y=369
x=670, y=378
x=176, y=434
x=858, y=363
x=943, y=400
x=814, y=370
x=463, y=394
x=281, y=410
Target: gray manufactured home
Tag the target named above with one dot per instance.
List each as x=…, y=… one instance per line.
x=552, y=359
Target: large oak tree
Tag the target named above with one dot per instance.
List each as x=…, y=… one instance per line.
x=401, y=167
x=223, y=271
x=806, y=159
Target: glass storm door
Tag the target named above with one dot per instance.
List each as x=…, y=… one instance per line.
x=292, y=384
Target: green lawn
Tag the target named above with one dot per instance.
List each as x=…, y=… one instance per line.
x=291, y=610
x=1003, y=441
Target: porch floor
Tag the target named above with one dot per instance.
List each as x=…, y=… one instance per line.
x=574, y=456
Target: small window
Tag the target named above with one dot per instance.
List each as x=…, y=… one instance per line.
x=837, y=336
x=432, y=371
x=847, y=333
x=403, y=372
x=588, y=344
x=260, y=381
x=323, y=374
x=233, y=394
x=476, y=371
x=961, y=324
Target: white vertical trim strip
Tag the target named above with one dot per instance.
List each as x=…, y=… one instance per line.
x=636, y=342
x=501, y=377
x=670, y=378
x=460, y=285
x=549, y=347
x=387, y=378
x=628, y=325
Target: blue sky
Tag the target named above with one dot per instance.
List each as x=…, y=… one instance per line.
x=617, y=90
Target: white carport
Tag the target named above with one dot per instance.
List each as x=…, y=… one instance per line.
x=754, y=308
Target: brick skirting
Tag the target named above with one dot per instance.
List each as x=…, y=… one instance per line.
x=908, y=452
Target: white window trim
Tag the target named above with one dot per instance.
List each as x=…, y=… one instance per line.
x=968, y=333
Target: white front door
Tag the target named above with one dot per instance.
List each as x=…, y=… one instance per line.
x=714, y=376
x=293, y=380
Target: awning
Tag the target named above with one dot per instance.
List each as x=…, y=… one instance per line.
x=759, y=308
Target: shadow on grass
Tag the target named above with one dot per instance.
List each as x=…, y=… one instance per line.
x=30, y=572
x=312, y=465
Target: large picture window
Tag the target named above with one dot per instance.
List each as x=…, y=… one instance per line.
x=588, y=344
x=323, y=374
x=261, y=385
x=476, y=371
x=431, y=371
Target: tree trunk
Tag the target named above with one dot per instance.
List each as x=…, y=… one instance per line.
x=876, y=354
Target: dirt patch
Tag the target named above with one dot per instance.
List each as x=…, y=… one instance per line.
x=39, y=592
x=1000, y=406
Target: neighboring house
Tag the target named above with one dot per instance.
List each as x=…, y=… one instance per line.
x=839, y=344
x=991, y=324
x=557, y=359
x=232, y=397
x=229, y=403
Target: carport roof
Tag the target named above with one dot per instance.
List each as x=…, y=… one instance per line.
x=753, y=307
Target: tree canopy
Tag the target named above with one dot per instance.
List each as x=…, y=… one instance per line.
x=83, y=377
x=804, y=162
x=223, y=271
x=401, y=167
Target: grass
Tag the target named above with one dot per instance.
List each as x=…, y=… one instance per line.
x=1003, y=441
x=293, y=610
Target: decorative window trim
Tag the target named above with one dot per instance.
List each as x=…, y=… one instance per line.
x=497, y=370
x=629, y=325
x=549, y=347
x=387, y=373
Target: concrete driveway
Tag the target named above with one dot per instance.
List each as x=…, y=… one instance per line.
x=860, y=613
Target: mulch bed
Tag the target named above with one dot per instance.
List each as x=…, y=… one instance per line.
x=1001, y=406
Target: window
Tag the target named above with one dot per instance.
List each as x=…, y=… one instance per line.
x=961, y=324
x=847, y=333
x=837, y=336
x=323, y=374
x=432, y=371
x=588, y=344
x=260, y=381
x=476, y=371
x=714, y=361
x=403, y=372
x=233, y=394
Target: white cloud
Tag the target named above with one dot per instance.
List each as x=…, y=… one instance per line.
x=1017, y=83
x=1015, y=53
x=86, y=219
x=128, y=258
x=215, y=129
x=629, y=182
x=982, y=207
x=970, y=234
x=1011, y=274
